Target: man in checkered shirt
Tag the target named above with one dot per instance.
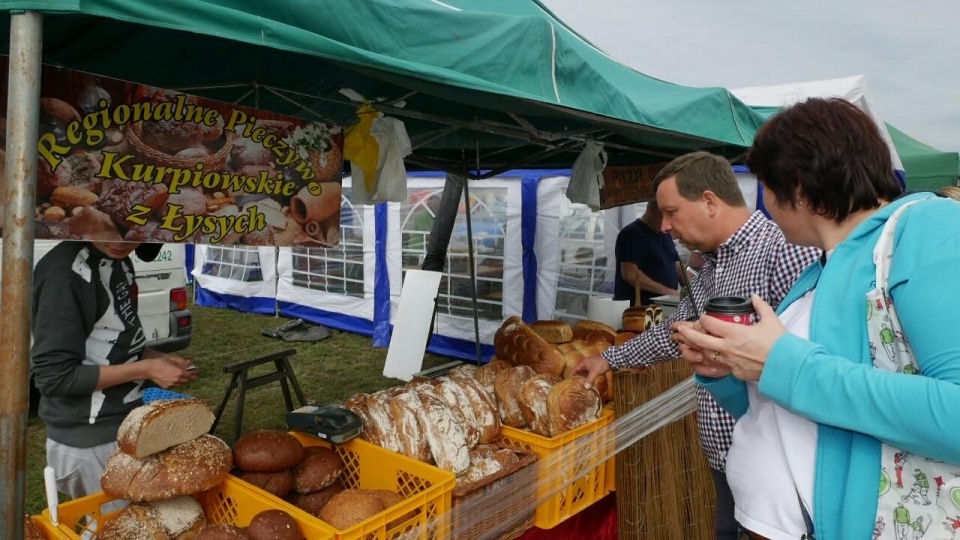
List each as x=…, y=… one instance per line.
x=744, y=254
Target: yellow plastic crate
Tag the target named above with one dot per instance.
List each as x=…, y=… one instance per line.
x=427, y=491
x=232, y=502
x=591, y=484
x=611, y=472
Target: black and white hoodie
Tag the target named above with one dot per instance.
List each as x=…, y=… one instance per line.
x=84, y=317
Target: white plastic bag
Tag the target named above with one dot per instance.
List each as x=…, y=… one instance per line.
x=391, y=182
x=586, y=179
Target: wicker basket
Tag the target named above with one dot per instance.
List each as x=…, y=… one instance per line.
x=526, y=486
x=213, y=162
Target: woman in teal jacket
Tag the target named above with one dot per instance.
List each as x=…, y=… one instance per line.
x=824, y=428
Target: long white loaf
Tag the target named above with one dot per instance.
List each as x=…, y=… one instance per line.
x=446, y=438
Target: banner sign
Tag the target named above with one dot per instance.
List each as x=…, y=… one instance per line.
x=120, y=161
x=628, y=184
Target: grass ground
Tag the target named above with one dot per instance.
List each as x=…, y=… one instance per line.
x=328, y=371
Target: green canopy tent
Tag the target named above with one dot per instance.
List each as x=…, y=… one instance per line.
x=926, y=167
x=503, y=78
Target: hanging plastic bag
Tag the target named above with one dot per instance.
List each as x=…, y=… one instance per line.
x=361, y=147
x=390, y=184
x=586, y=179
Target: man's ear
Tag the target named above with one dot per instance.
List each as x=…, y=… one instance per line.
x=711, y=201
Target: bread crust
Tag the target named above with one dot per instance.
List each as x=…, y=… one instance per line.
x=484, y=407
x=533, y=402
x=507, y=387
x=185, y=469
x=570, y=404
x=413, y=440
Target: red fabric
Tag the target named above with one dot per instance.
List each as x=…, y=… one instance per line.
x=597, y=522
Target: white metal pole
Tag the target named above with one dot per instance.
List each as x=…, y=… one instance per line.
x=20, y=193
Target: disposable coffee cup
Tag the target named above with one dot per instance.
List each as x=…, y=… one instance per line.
x=735, y=309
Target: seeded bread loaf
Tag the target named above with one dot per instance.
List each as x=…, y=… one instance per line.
x=221, y=532
x=518, y=344
x=267, y=450
x=553, y=331
x=162, y=424
x=177, y=518
x=185, y=469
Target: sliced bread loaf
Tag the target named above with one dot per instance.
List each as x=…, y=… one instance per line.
x=158, y=425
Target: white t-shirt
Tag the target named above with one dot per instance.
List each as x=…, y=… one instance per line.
x=773, y=455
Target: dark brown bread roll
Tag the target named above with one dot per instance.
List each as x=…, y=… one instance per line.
x=267, y=450
x=277, y=483
x=185, y=469
x=313, y=503
x=274, y=525
x=351, y=506
x=320, y=469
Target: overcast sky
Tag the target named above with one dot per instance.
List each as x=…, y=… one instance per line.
x=908, y=51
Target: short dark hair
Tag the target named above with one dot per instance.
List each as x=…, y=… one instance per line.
x=697, y=172
x=829, y=149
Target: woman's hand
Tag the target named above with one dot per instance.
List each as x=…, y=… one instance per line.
x=742, y=350
x=168, y=370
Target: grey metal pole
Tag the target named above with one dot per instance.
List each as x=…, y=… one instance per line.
x=20, y=195
x=473, y=264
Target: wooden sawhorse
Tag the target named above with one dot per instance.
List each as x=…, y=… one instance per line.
x=242, y=382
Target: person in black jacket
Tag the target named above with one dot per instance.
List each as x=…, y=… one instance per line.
x=89, y=360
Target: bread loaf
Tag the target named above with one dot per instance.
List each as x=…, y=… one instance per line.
x=267, y=450
x=412, y=439
x=162, y=424
x=572, y=359
x=351, y=506
x=516, y=343
x=277, y=483
x=187, y=468
x=634, y=323
x=533, y=402
x=380, y=416
x=455, y=397
x=317, y=471
x=169, y=519
x=368, y=432
x=487, y=373
x=570, y=404
x=553, y=331
x=484, y=407
x=624, y=337
x=448, y=443
x=221, y=532
x=574, y=345
x=477, y=471
x=466, y=370
x=313, y=503
x=507, y=388
x=274, y=525
x=583, y=328
x=601, y=335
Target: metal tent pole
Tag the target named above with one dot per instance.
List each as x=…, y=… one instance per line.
x=20, y=194
x=471, y=258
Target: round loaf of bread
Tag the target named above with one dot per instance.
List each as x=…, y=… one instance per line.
x=507, y=388
x=278, y=483
x=317, y=471
x=221, y=532
x=185, y=469
x=351, y=506
x=267, y=450
x=273, y=525
x=179, y=517
x=162, y=424
x=313, y=503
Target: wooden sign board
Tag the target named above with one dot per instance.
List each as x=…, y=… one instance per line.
x=628, y=184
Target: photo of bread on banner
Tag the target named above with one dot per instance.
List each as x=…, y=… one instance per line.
x=165, y=455
x=120, y=161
